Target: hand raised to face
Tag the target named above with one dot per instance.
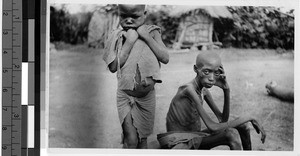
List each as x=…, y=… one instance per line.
x=143, y=32
x=221, y=78
x=131, y=35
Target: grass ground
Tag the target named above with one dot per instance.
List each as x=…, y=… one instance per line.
x=83, y=110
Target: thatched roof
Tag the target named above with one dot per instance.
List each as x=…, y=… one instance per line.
x=213, y=11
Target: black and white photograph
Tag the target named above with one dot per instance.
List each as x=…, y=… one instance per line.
x=171, y=76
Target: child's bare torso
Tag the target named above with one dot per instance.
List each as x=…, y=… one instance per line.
x=182, y=114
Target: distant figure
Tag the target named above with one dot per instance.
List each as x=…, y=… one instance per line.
x=135, y=52
x=186, y=111
x=285, y=94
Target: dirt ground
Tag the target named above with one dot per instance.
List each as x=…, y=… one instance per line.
x=83, y=110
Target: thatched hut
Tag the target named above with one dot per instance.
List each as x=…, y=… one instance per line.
x=196, y=25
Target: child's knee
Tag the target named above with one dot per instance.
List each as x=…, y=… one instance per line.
x=231, y=135
x=244, y=127
x=232, y=139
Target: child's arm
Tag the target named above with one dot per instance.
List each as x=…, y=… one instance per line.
x=209, y=100
x=222, y=117
x=213, y=126
x=222, y=83
x=155, y=43
x=131, y=36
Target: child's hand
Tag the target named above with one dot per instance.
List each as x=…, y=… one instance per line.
x=221, y=79
x=143, y=32
x=259, y=129
x=131, y=35
x=142, y=89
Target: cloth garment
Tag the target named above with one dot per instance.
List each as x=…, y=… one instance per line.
x=141, y=57
x=142, y=111
x=181, y=140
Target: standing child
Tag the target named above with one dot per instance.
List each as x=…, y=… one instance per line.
x=135, y=52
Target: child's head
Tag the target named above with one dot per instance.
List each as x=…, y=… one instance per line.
x=208, y=68
x=131, y=16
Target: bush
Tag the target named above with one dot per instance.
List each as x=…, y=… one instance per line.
x=251, y=27
x=68, y=28
x=168, y=25
x=262, y=27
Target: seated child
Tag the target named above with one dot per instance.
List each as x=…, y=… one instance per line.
x=135, y=52
x=186, y=111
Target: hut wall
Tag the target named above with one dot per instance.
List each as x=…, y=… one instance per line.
x=195, y=30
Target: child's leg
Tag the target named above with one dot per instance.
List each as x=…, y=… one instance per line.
x=130, y=133
x=143, y=144
x=227, y=137
x=244, y=131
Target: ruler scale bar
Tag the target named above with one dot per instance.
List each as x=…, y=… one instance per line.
x=12, y=66
x=21, y=76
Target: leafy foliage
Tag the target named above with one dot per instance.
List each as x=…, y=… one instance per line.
x=168, y=25
x=68, y=28
x=251, y=27
x=262, y=27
